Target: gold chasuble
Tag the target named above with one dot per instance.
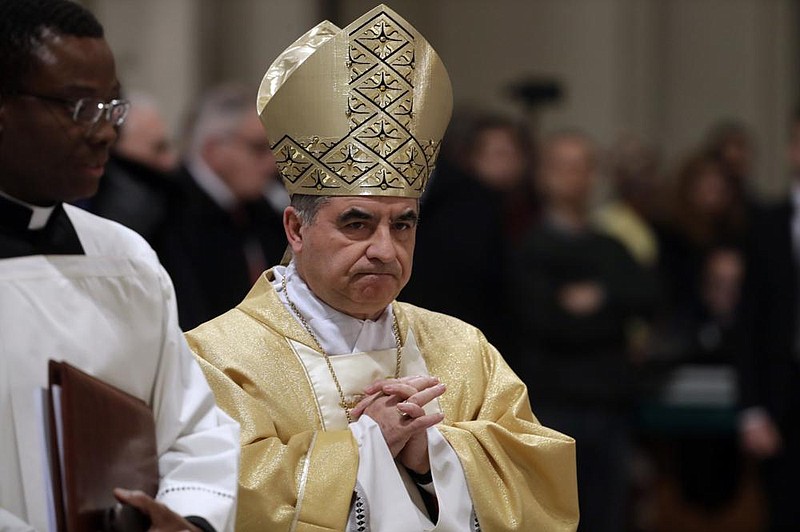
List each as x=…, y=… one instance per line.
x=298, y=474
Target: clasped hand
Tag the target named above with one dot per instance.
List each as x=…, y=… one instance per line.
x=397, y=406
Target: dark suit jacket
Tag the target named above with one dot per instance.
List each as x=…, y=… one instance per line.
x=459, y=257
x=568, y=359
x=134, y=195
x=203, y=249
x=770, y=313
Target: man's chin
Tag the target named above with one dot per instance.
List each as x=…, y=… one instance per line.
x=374, y=299
x=81, y=189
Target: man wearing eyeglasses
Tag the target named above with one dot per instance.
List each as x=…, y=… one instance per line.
x=82, y=289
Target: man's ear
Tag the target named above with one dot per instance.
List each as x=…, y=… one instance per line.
x=213, y=154
x=292, y=224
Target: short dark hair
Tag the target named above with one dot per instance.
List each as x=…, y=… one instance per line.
x=22, y=26
x=307, y=206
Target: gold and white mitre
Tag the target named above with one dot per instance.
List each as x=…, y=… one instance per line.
x=357, y=111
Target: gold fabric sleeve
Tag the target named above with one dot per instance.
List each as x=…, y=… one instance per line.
x=521, y=475
x=293, y=475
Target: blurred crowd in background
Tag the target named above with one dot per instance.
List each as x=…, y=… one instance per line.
x=612, y=283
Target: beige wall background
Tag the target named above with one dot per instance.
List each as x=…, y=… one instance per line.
x=664, y=69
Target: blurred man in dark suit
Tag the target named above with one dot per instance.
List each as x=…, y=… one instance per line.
x=139, y=179
x=225, y=225
x=576, y=292
x=770, y=368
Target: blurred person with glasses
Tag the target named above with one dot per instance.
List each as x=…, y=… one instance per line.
x=140, y=177
x=225, y=226
x=83, y=289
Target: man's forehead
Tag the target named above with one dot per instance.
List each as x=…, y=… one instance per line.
x=375, y=205
x=75, y=64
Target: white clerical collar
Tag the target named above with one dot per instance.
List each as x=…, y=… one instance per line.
x=211, y=183
x=39, y=215
x=337, y=332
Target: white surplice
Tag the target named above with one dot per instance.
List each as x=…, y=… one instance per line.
x=112, y=313
x=362, y=351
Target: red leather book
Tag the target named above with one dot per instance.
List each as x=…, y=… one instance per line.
x=101, y=438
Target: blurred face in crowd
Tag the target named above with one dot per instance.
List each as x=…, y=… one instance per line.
x=635, y=174
x=243, y=159
x=567, y=171
x=709, y=192
x=356, y=254
x=498, y=159
x=640, y=190
x=144, y=138
x=737, y=154
x=45, y=156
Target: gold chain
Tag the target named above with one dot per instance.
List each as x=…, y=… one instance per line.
x=343, y=402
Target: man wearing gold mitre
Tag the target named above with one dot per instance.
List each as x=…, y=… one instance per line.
x=359, y=412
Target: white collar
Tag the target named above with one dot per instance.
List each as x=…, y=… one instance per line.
x=39, y=215
x=211, y=183
x=337, y=332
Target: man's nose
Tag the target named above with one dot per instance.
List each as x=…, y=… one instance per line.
x=381, y=246
x=102, y=132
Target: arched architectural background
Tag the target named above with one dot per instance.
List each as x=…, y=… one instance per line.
x=666, y=69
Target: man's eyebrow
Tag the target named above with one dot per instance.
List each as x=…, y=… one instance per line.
x=86, y=90
x=408, y=216
x=354, y=213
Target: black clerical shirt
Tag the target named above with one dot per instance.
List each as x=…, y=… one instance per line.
x=57, y=237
